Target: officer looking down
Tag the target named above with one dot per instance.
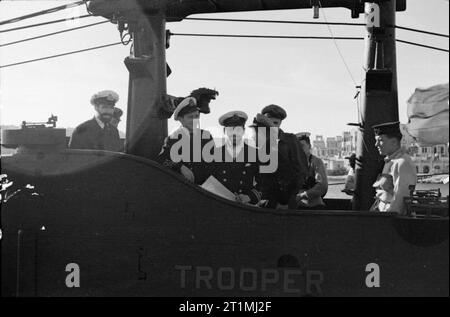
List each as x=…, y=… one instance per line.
x=235, y=169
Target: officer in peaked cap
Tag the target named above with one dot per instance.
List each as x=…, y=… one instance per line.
x=280, y=188
x=397, y=163
x=187, y=113
x=238, y=167
x=277, y=115
x=98, y=133
x=391, y=129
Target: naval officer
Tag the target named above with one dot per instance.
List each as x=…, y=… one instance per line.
x=280, y=185
x=291, y=151
x=183, y=149
x=98, y=133
x=237, y=168
x=398, y=164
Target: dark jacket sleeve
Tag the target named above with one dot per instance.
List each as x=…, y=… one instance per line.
x=79, y=139
x=204, y=170
x=255, y=193
x=320, y=189
x=164, y=156
x=119, y=143
x=299, y=160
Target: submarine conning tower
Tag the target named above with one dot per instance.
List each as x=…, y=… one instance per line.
x=145, y=21
x=35, y=137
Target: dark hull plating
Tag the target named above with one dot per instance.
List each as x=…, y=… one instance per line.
x=136, y=229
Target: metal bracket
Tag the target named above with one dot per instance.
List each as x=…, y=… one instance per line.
x=139, y=66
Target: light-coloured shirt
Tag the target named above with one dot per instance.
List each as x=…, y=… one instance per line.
x=404, y=174
x=314, y=195
x=350, y=181
x=100, y=122
x=233, y=151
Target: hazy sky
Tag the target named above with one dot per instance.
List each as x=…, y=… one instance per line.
x=306, y=77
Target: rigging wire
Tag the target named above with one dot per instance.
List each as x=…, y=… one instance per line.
x=419, y=31
x=312, y=23
x=337, y=46
x=207, y=35
x=45, y=23
x=423, y=45
x=53, y=33
x=59, y=55
x=273, y=21
x=265, y=36
x=85, y=2
x=43, y=12
x=297, y=37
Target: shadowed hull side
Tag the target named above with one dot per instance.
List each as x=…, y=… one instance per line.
x=136, y=229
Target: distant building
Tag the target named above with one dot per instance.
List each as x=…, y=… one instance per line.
x=333, y=150
x=431, y=159
x=319, y=147
x=335, y=147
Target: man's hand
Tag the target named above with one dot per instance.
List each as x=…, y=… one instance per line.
x=302, y=195
x=301, y=199
x=186, y=172
x=244, y=199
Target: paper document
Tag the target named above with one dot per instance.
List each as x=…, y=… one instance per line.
x=214, y=186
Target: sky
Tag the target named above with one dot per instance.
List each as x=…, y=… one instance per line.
x=306, y=77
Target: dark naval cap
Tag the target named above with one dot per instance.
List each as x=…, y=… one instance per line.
x=233, y=119
x=117, y=113
x=389, y=128
x=275, y=112
x=261, y=121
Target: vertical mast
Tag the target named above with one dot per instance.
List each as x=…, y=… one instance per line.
x=379, y=96
x=146, y=126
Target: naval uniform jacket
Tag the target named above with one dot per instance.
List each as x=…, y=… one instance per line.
x=91, y=136
x=200, y=168
x=239, y=174
x=404, y=174
x=282, y=186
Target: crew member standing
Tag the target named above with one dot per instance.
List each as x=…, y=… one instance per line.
x=290, y=149
x=350, y=182
x=237, y=169
x=316, y=185
x=292, y=159
x=398, y=164
x=98, y=133
x=116, y=117
x=280, y=184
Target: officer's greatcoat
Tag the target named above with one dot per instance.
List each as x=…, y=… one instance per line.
x=90, y=136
